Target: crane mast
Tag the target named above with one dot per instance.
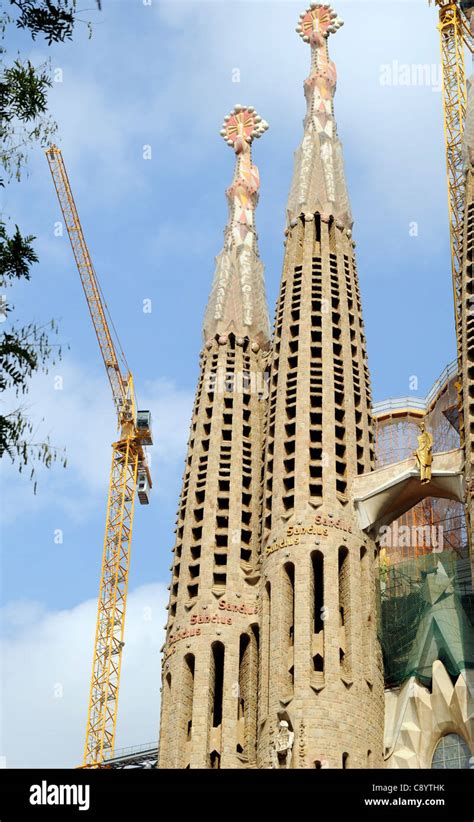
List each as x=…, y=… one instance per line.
x=455, y=34
x=129, y=470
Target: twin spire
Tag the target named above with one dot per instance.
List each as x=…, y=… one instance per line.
x=237, y=303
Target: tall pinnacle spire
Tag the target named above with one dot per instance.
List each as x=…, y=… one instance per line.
x=322, y=674
x=237, y=302
x=319, y=183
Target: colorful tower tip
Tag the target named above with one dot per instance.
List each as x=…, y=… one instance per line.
x=242, y=125
x=317, y=23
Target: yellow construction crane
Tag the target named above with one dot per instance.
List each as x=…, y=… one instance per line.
x=129, y=473
x=455, y=34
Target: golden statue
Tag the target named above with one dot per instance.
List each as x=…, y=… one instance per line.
x=424, y=453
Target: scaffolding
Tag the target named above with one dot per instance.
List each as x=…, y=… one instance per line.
x=426, y=613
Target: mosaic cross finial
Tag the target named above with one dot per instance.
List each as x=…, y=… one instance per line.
x=317, y=23
x=241, y=126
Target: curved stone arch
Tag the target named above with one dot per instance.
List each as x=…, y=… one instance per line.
x=382, y=496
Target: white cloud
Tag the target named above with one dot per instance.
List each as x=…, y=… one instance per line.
x=96, y=145
x=80, y=418
x=46, y=669
x=171, y=409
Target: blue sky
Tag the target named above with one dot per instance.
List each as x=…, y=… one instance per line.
x=163, y=76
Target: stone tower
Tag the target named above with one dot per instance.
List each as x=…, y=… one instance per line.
x=210, y=666
x=321, y=670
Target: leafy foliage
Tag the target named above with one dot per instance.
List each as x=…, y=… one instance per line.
x=23, y=113
x=23, y=351
x=16, y=255
x=55, y=19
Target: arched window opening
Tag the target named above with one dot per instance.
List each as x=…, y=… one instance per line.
x=317, y=612
x=451, y=752
x=218, y=659
x=288, y=612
